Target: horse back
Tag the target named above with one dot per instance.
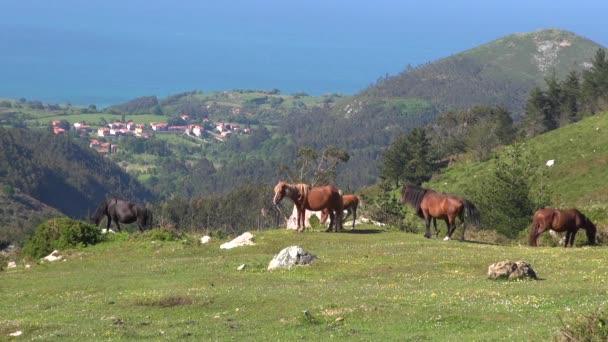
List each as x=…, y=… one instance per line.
x=350, y=201
x=442, y=206
x=327, y=196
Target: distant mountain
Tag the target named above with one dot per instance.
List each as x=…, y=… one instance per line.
x=501, y=72
x=61, y=173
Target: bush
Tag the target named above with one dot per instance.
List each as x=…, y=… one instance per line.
x=592, y=327
x=159, y=234
x=61, y=233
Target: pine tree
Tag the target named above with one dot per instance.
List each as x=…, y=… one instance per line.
x=419, y=166
x=395, y=159
x=534, y=121
x=571, y=92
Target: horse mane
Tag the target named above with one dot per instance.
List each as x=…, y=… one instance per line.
x=303, y=190
x=414, y=196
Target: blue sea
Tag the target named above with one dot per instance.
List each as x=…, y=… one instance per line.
x=107, y=52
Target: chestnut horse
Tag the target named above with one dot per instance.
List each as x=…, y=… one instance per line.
x=318, y=198
x=433, y=205
x=561, y=220
x=350, y=203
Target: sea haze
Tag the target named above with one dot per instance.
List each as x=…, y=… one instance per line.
x=108, y=52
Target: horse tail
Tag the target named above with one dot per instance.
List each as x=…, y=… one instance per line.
x=533, y=232
x=472, y=213
x=360, y=200
x=149, y=218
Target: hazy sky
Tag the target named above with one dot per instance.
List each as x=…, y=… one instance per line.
x=345, y=45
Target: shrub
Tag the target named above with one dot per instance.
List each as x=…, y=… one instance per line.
x=61, y=233
x=159, y=234
x=592, y=327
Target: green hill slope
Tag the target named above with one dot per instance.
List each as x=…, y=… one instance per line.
x=62, y=173
x=380, y=286
x=501, y=72
x=20, y=213
x=579, y=176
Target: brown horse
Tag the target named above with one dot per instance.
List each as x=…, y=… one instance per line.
x=318, y=198
x=433, y=205
x=561, y=220
x=350, y=203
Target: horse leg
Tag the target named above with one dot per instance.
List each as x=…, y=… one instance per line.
x=117, y=225
x=572, y=236
x=462, y=223
x=332, y=221
x=354, y=217
x=435, y=226
x=301, y=220
x=427, y=223
x=451, y=229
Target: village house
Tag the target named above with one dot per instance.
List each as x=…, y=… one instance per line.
x=58, y=130
x=197, y=130
x=159, y=126
x=131, y=126
x=55, y=123
x=117, y=125
x=81, y=126
x=185, y=117
x=103, y=132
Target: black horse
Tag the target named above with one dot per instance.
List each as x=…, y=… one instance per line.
x=121, y=211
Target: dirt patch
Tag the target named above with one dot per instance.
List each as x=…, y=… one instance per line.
x=165, y=302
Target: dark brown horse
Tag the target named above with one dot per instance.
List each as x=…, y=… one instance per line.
x=318, y=198
x=432, y=205
x=121, y=211
x=350, y=203
x=561, y=220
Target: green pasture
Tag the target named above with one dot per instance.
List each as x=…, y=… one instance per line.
x=578, y=177
x=370, y=285
x=95, y=118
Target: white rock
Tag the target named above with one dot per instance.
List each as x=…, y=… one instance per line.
x=205, y=239
x=16, y=333
x=550, y=162
x=107, y=231
x=53, y=256
x=11, y=264
x=292, y=222
x=242, y=240
x=290, y=256
x=242, y=267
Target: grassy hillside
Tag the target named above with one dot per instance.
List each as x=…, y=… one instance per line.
x=501, y=72
x=20, y=213
x=578, y=177
x=374, y=285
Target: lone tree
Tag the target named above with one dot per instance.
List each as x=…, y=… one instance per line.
x=314, y=167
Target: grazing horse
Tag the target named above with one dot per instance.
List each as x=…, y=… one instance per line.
x=433, y=205
x=318, y=198
x=561, y=220
x=350, y=203
x=121, y=211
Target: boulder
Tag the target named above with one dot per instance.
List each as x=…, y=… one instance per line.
x=53, y=257
x=292, y=222
x=242, y=240
x=511, y=270
x=290, y=256
x=205, y=239
x=12, y=264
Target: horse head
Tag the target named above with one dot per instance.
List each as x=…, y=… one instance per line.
x=100, y=212
x=279, y=192
x=590, y=229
